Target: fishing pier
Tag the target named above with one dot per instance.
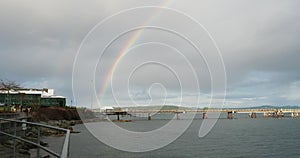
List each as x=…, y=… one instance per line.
x=276, y=113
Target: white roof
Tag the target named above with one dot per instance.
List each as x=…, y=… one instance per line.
x=53, y=96
x=49, y=93
x=107, y=108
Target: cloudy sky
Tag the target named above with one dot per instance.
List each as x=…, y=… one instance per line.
x=52, y=43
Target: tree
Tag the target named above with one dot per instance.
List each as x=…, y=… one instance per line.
x=8, y=85
x=205, y=108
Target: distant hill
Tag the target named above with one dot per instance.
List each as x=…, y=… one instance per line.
x=174, y=107
x=269, y=107
x=283, y=107
x=156, y=107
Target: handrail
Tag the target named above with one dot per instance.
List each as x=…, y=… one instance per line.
x=65, y=149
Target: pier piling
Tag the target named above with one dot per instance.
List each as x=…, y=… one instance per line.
x=230, y=115
x=294, y=114
x=177, y=116
x=204, y=115
x=252, y=115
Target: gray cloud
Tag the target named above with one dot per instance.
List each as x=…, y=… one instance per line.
x=258, y=41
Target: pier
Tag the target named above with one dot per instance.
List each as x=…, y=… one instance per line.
x=294, y=113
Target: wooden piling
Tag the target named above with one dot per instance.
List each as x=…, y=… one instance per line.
x=253, y=115
x=204, y=115
x=177, y=116
x=230, y=115
x=149, y=116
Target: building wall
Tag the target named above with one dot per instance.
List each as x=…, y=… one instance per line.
x=21, y=99
x=30, y=100
x=53, y=102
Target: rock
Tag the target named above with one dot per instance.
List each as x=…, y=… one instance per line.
x=45, y=156
x=54, y=123
x=9, y=142
x=75, y=131
x=43, y=143
x=28, y=146
x=72, y=123
x=43, y=122
x=35, y=140
x=78, y=122
x=33, y=129
x=31, y=134
x=24, y=151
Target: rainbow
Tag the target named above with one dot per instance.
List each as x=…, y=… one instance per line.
x=131, y=41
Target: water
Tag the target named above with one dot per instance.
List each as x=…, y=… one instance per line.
x=241, y=137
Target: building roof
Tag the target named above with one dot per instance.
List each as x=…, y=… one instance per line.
x=45, y=93
x=107, y=108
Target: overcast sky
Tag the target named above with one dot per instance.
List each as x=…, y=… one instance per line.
x=258, y=41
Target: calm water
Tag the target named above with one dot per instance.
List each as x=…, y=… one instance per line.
x=241, y=137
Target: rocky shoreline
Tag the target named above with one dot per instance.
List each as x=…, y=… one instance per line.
x=63, y=117
x=23, y=149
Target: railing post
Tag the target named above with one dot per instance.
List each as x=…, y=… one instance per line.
x=15, y=135
x=38, y=142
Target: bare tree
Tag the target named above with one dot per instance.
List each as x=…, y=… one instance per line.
x=8, y=85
